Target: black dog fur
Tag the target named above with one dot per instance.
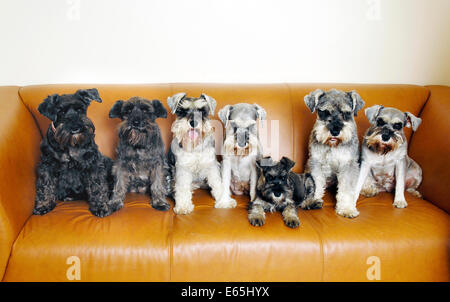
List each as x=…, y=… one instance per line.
x=71, y=167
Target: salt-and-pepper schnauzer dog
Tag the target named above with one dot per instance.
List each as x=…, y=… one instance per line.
x=192, y=154
x=241, y=148
x=141, y=164
x=385, y=164
x=71, y=167
x=334, y=147
x=279, y=189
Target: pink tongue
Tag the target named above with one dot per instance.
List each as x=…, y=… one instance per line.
x=193, y=135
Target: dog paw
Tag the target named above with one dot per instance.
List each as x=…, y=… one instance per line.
x=400, y=204
x=42, y=210
x=101, y=211
x=115, y=206
x=312, y=204
x=349, y=212
x=369, y=191
x=257, y=220
x=414, y=192
x=292, y=222
x=161, y=205
x=182, y=210
x=225, y=203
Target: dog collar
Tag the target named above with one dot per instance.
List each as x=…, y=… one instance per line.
x=53, y=128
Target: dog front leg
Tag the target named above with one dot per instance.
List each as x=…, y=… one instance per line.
x=253, y=180
x=97, y=193
x=45, y=200
x=320, y=186
x=214, y=180
x=183, y=191
x=363, y=172
x=290, y=215
x=158, y=189
x=122, y=180
x=256, y=214
x=346, y=204
x=226, y=178
x=400, y=172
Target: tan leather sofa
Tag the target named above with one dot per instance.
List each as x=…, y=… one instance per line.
x=139, y=243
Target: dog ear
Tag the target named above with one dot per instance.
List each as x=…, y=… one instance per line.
x=312, y=99
x=211, y=102
x=287, y=163
x=48, y=107
x=260, y=113
x=224, y=114
x=357, y=101
x=116, y=110
x=160, y=111
x=412, y=120
x=264, y=163
x=373, y=112
x=88, y=95
x=174, y=101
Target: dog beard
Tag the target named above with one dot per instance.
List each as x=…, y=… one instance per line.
x=231, y=146
x=190, y=137
x=323, y=135
x=65, y=137
x=135, y=137
x=375, y=143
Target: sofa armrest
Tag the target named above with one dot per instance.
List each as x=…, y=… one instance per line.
x=19, y=154
x=430, y=147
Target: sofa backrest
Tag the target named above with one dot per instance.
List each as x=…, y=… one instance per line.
x=283, y=103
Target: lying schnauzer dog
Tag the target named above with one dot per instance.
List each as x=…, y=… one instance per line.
x=241, y=148
x=334, y=147
x=141, y=165
x=279, y=189
x=71, y=167
x=385, y=164
x=192, y=154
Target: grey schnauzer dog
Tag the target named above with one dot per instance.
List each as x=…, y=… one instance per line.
x=71, y=167
x=192, y=155
x=241, y=148
x=334, y=147
x=279, y=189
x=385, y=164
x=141, y=164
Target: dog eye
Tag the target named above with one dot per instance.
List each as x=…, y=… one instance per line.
x=397, y=126
x=145, y=109
x=380, y=122
x=269, y=177
x=346, y=115
x=323, y=114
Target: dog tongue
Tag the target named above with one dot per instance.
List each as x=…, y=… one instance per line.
x=193, y=134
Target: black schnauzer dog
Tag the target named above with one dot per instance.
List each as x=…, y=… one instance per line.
x=279, y=189
x=71, y=167
x=141, y=164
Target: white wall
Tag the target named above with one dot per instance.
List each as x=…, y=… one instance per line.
x=137, y=41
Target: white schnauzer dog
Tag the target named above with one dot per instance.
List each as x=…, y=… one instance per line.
x=385, y=164
x=334, y=148
x=192, y=154
x=241, y=148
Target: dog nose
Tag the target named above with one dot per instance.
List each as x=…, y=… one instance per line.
x=136, y=123
x=277, y=194
x=385, y=137
x=386, y=134
x=335, y=131
x=193, y=123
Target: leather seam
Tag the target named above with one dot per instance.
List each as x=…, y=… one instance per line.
x=29, y=110
x=420, y=113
